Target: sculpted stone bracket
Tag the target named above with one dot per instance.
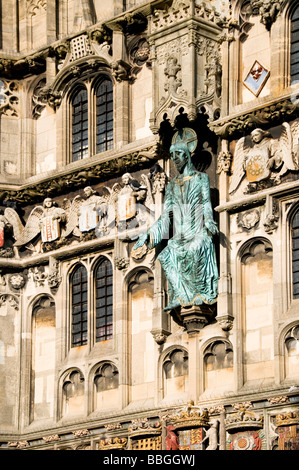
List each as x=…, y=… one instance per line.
x=196, y=317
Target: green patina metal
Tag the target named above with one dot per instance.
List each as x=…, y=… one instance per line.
x=189, y=259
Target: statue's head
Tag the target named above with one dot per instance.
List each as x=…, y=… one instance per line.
x=257, y=135
x=180, y=155
x=48, y=202
x=126, y=178
x=88, y=191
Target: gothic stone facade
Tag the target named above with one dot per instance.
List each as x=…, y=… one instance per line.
x=92, y=92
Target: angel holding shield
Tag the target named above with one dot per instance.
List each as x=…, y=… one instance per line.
x=260, y=157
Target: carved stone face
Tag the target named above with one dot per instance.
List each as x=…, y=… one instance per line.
x=48, y=202
x=257, y=135
x=179, y=157
x=87, y=191
x=125, y=178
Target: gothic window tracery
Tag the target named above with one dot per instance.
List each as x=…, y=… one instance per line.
x=73, y=393
x=175, y=372
x=292, y=352
x=218, y=365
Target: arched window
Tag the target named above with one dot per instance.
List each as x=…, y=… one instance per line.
x=79, y=306
x=295, y=46
x=104, y=300
x=295, y=255
x=80, y=124
x=104, y=116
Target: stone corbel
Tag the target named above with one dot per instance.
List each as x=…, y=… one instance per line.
x=121, y=70
x=268, y=10
x=160, y=335
x=272, y=215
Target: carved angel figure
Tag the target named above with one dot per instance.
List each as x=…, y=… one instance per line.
x=43, y=220
x=131, y=201
x=261, y=157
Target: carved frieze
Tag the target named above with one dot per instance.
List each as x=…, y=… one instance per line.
x=76, y=179
x=121, y=211
x=273, y=114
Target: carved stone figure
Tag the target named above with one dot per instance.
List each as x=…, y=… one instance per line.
x=263, y=157
x=43, y=220
x=171, y=440
x=212, y=436
x=91, y=210
x=189, y=259
x=131, y=201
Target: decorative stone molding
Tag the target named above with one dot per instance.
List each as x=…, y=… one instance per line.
x=160, y=335
x=287, y=419
x=218, y=409
x=9, y=98
x=196, y=317
x=34, y=5
x=80, y=177
x=270, y=115
x=38, y=276
x=226, y=322
x=38, y=105
x=53, y=438
x=54, y=278
x=113, y=427
x=144, y=426
x=189, y=416
x=224, y=162
x=180, y=10
x=278, y=400
x=18, y=444
x=268, y=10
x=113, y=443
x=249, y=219
x=122, y=262
x=244, y=418
x=81, y=433
x=17, y=281
x=11, y=299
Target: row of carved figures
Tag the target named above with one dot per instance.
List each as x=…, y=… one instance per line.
x=127, y=205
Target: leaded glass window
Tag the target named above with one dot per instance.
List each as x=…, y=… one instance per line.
x=295, y=255
x=80, y=125
x=104, y=300
x=104, y=116
x=79, y=292
x=295, y=46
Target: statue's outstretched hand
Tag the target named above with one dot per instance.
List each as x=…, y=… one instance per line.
x=211, y=226
x=141, y=240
